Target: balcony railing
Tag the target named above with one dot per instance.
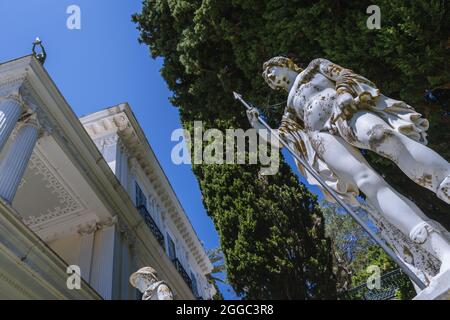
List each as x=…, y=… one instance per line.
x=160, y=237
x=390, y=283
x=152, y=225
x=183, y=273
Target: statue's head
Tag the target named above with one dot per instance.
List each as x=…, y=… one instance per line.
x=279, y=72
x=143, y=278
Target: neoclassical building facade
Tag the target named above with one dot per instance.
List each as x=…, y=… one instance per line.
x=84, y=192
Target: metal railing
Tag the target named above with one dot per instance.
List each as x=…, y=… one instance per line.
x=183, y=273
x=160, y=237
x=151, y=224
x=389, y=285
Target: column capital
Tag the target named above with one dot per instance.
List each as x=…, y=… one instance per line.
x=88, y=228
x=35, y=117
x=19, y=91
x=16, y=96
x=109, y=222
x=30, y=119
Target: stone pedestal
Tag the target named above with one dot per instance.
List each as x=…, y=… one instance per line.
x=439, y=289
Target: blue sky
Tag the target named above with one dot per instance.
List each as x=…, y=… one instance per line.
x=102, y=65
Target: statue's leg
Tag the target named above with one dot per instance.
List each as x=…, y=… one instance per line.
x=423, y=165
x=348, y=164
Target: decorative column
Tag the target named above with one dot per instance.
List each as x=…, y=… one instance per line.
x=86, y=248
x=103, y=262
x=16, y=160
x=10, y=110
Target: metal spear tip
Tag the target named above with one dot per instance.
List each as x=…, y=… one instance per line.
x=37, y=41
x=236, y=95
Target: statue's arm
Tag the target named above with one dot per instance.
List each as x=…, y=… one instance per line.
x=253, y=115
x=333, y=72
x=164, y=292
x=347, y=81
x=352, y=88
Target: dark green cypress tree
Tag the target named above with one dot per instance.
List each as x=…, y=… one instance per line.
x=271, y=228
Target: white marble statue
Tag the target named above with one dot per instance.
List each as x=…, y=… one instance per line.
x=421, y=262
x=330, y=112
x=146, y=281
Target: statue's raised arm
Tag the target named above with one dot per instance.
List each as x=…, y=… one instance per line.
x=252, y=116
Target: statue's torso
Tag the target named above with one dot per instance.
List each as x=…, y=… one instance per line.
x=313, y=101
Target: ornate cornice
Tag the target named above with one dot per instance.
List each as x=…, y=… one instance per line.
x=33, y=109
x=17, y=87
x=10, y=86
x=119, y=120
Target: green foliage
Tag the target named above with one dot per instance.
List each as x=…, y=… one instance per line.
x=217, y=259
x=349, y=243
x=215, y=276
x=374, y=255
x=354, y=251
x=271, y=229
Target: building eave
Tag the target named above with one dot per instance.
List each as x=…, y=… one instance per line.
x=153, y=170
